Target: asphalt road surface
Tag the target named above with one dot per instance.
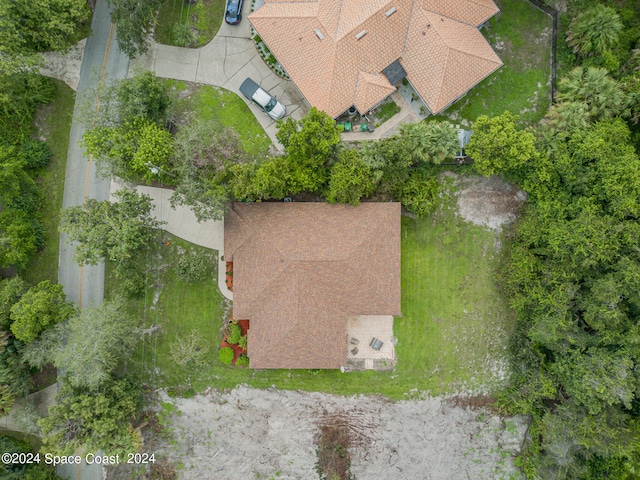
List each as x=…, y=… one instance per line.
x=102, y=61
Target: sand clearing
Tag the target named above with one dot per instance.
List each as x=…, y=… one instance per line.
x=249, y=433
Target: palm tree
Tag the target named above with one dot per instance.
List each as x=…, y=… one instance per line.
x=430, y=141
x=594, y=31
x=568, y=116
x=604, y=96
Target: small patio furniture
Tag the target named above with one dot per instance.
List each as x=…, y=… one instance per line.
x=354, y=341
x=375, y=343
x=354, y=350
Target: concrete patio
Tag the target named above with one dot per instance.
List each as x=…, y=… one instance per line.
x=362, y=329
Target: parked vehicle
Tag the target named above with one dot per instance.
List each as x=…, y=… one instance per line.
x=233, y=12
x=263, y=99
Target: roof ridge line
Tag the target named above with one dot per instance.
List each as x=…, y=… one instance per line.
x=338, y=22
x=474, y=55
x=406, y=34
x=355, y=90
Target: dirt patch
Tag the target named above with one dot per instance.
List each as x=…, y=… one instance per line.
x=333, y=450
x=488, y=202
x=65, y=65
x=249, y=433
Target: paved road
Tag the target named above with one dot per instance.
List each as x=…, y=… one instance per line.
x=85, y=285
x=102, y=58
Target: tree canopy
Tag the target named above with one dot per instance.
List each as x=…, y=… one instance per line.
x=41, y=307
x=39, y=25
x=95, y=420
x=594, y=31
x=497, y=145
x=134, y=20
x=572, y=277
x=350, y=179
x=116, y=231
x=432, y=142
x=89, y=346
x=106, y=230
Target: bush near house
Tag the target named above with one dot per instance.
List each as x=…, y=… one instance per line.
x=225, y=355
x=235, y=333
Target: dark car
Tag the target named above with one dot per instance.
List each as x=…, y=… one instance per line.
x=233, y=15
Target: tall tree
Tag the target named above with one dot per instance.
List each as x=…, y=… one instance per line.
x=89, y=346
x=20, y=238
x=203, y=155
x=95, y=420
x=310, y=143
x=11, y=290
x=573, y=277
x=350, y=179
x=41, y=307
x=114, y=231
x=39, y=25
x=497, y=146
x=137, y=148
x=134, y=20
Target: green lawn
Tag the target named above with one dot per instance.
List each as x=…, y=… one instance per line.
x=455, y=322
x=453, y=331
x=178, y=307
x=387, y=111
x=521, y=84
x=53, y=123
x=221, y=107
x=185, y=25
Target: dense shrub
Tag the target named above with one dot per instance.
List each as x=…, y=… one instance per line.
x=242, y=361
x=242, y=343
x=193, y=267
x=225, y=355
x=36, y=153
x=418, y=193
x=235, y=333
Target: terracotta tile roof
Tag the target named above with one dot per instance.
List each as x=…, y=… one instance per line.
x=458, y=58
x=371, y=89
x=473, y=12
x=331, y=48
x=300, y=269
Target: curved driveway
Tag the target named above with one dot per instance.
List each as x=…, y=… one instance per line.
x=225, y=62
x=182, y=222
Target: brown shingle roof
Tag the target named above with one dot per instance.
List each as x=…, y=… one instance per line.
x=442, y=63
x=299, y=269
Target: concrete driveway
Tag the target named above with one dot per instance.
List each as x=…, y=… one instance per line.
x=225, y=62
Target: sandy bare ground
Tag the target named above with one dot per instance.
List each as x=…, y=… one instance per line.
x=249, y=433
x=65, y=65
x=487, y=201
